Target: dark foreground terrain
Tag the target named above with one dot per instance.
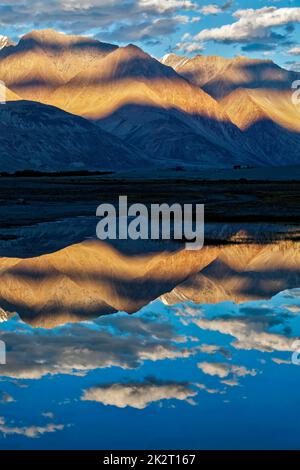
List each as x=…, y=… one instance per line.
x=27, y=201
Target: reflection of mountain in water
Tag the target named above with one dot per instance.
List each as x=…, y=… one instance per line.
x=242, y=273
x=92, y=278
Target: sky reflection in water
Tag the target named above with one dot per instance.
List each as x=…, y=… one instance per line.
x=173, y=377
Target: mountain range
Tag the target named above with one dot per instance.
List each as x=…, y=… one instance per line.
x=219, y=76
x=44, y=138
x=137, y=111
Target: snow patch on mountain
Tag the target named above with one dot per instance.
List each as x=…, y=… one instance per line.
x=4, y=41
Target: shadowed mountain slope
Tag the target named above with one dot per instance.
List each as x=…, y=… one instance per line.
x=43, y=138
x=173, y=137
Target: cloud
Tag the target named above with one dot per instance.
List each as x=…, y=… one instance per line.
x=138, y=395
x=211, y=9
x=224, y=370
x=250, y=333
x=255, y=28
x=97, y=16
x=252, y=25
x=29, y=431
x=196, y=19
x=6, y=398
x=281, y=361
x=214, y=9
x=227, y=5
x=212, y=391
x=213, y=349
x=294, y=309
x=159, y=6
x=115, y=341
x=145, y=31
x=48, y=415
x=189, y=47
x=209, y=348
x=231, y=382
x=294, y=51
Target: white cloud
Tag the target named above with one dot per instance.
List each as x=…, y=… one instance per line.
x=251, y=25
x=249, y=334
x=102, y=16
x=293, y=66
x=189, y=47
x=48, y=414
x=281, y=361
x=117, y=341
x=6, y=398
x=209, y=348
x=166, y=6
x=294, y=51
x=147, y=30
x=196, y=19
x=212, y=391
x=224, y=370
x=138, y=395
x=211, y=9
x=231, y=382
x=29, y=431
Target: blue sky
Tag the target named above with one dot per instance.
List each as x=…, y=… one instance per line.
x=259, y=28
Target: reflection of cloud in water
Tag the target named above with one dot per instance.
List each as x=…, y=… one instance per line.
x=224, y=370
x=248, y=334
x=139, y=395
x=6, y=398
x=29, y=431
x=124, y=342
x=251, y=323
x=281, y=361
x=101, y=373
x=128, y=341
